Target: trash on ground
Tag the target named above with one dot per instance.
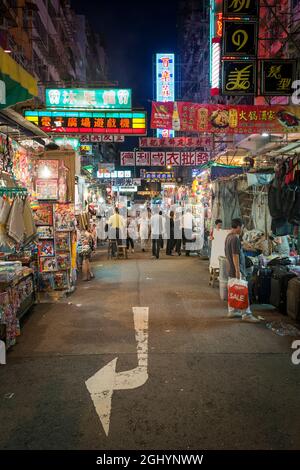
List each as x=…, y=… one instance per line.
x=283, y=329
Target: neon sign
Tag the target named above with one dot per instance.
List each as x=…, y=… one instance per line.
x=165, y=84
x=80, y=98
x=70, y=122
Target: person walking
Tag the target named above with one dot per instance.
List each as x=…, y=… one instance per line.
x=178, y=233
x=131, y=232
x=87, y=244
x=116, y=228
x=157, y=231
x=170, y=234
x=236, y=266
x=144, y=230
x=187, y=229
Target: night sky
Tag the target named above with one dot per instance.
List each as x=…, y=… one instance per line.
x=133, y=32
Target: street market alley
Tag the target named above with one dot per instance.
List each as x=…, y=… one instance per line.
x=213, y=382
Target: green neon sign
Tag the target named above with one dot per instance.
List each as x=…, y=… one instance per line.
x=82, y=98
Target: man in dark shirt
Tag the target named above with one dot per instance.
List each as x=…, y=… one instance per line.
x=236, y=265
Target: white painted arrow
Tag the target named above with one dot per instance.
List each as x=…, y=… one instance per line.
x=106, y=380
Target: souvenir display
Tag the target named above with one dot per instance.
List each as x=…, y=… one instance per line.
x=45, y=232
x=43, y=214
x=48, y=264
x=47, y=169
x=46, y=282
x=46, y=248
x=63, y=261
x=46, y=189
x=62, y=241
x=64, y=217
x=61, y=280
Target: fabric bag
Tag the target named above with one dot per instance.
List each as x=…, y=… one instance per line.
x=238, y=294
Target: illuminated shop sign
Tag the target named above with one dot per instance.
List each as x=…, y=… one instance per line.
x=238, y=77
x=215, y=36
x=80, y=98
x=67, y=142
x=241, y=7
x=165, y=85
x=114, y=174
x=239, y=38
x=69, y=122
x=277, y=77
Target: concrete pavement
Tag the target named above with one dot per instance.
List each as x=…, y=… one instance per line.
x=214, y=383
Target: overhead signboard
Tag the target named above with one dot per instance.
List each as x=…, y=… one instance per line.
x=106, y=138
x=83, y=98
x=277, y=77
x=232, y=119
x=238, y=77
x=241, y=8
x=142, y=158
x=165, y=84
x=125, y=189
x=69, y=122
x=239, y=38
x=157, y=175
x=180, y=142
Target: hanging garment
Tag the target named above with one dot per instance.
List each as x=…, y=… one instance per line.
x=229, y=203
x=4, y=212
x=260, y=213
x=15, y=224
x=29, y=225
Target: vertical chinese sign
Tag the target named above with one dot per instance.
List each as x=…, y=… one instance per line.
x=239, y=47
x=165, y=85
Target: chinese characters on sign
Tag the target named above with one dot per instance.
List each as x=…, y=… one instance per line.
x=278, y=77
x=238, y=77
x=142, y=158
x=129, y=123
x=79, y=98
x=228, y=119
x=102, y=138
x=165, y=84
x=241, y=7
x=176, y=142
x=239, y=38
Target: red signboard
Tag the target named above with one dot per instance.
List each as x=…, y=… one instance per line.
x=228, y=119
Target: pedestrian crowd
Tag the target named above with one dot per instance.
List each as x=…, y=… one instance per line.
x=172, y=231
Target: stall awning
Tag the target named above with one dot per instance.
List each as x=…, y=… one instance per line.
x=16, y=84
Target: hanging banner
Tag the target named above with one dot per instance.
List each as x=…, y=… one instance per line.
x=241, y=119
x=180, y=142
x=277, y=77
x=239, y=38
x=239, y=77
x=164, y=158
x=241, y=8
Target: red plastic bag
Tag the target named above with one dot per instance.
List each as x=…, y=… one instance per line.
x=238, y=294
